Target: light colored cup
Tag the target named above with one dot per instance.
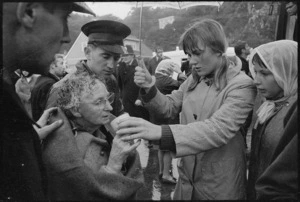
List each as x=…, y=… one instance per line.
x=114, y=123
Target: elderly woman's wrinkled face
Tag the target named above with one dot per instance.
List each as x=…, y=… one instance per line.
x=95, y=107
x=266, y=83
x=203, y=60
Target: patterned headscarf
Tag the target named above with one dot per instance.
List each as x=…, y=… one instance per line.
x=280, y=57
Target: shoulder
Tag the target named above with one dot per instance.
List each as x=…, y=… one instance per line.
x=240, y=79
x=43, y=82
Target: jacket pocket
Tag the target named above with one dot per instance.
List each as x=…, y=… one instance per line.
x=222, y=180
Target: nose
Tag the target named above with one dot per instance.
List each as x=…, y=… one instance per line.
x=111, y=63
x=192, y=61
x=108, y=106
x=66, y=35
x=257, y=80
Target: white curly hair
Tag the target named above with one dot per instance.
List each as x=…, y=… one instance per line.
x=70, y=90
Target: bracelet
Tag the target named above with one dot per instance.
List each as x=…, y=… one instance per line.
x=152, y=83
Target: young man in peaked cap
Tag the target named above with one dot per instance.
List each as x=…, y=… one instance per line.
x=105, y=46
x=32, y=32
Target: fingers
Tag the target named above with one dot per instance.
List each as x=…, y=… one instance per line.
x=46, y=130
x=135, y=145
x=131, y=137
x=43, y=119
x=131, y=122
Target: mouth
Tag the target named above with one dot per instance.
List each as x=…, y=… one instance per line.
x=197, y=68
x=261, y=90
x=105, y=116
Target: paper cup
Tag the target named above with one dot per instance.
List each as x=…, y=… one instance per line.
x=114, y=124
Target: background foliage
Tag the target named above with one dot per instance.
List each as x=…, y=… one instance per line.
x=248, y=21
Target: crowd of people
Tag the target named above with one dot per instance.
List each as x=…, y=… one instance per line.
x=57, y=140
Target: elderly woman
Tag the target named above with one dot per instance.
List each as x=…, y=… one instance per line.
x=273, y=173
x=213, y=104
x=107, y=169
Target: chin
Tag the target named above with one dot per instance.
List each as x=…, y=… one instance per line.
x=105, y=121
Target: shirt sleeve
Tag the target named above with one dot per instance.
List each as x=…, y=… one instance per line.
x=167, y=141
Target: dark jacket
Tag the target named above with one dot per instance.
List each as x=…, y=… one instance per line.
x=39, y=94
x=22, y=173
x=129, y=90
x=280, y=180
x=111, y=85
x=185, y=67
x=266, y=161
x=245, y=66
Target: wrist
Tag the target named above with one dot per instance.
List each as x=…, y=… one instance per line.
x=148, y=86
x=112, y=168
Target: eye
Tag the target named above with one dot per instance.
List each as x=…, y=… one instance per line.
x=197, y=52
x=99, y=102
x=106, y=56
x=117, y=57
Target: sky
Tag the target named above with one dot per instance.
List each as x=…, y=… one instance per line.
x=119, y=9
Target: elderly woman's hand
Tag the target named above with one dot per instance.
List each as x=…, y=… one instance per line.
x=138, y=128
x=43, y=122
x=119, y=152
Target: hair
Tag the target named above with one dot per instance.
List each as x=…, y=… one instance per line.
x=158, y=48
x=51, y=7
x=94, y=45
x=212, y=35
x=257, y=59
x=71, y=89
x=239, y=47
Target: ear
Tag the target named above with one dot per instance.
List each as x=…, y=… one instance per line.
x=87, y=52
x=75, y=113
x=26, y=13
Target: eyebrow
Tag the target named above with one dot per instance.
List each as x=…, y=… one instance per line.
x=101, y=98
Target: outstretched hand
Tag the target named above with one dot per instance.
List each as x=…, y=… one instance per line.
x=45, y=129
x=138, y=128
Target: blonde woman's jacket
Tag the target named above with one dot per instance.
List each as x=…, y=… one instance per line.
x=209, y=145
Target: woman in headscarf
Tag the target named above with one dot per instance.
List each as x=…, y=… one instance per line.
x=213, y=104
x=168, y=78
x=275, y=72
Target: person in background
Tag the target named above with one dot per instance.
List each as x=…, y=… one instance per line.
x=292, y=9
x=114, y=163
x=242, y=50
x=32, y=32
x=152, y=64
x=41, y=89
x=186, y=68
x=213, y=105
x=275, y=71
x=105, y=46
x=24, y=87
x=168, y=78
x=129, y=90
